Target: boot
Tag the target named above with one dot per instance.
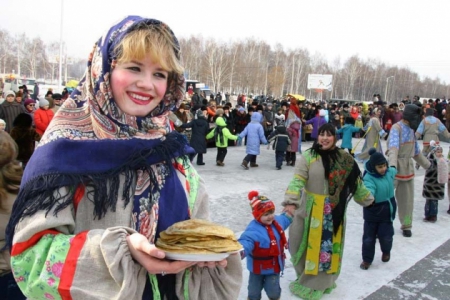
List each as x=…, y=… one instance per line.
x=448, y=211
x=364, y=265
x=244, y=164
x=253, y=165
x=385, y=257
x=407, y=233
x=430, y=219
x=220, y=164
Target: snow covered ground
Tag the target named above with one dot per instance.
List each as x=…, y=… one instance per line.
x=228, y=187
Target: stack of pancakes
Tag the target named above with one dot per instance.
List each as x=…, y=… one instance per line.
x=196, y=236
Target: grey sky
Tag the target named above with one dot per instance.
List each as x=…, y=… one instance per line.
x=410, y=33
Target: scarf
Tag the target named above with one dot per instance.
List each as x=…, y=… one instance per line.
x=343, y=175
x=91, y=142
x=218, y=134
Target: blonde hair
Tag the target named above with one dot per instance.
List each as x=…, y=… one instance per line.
x=155, y=40
x=10, y=169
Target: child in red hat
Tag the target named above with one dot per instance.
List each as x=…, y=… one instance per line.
x=264, y=241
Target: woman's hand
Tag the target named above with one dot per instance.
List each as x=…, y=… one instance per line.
x=152, y=259
x=290, y=209
x=212, y=264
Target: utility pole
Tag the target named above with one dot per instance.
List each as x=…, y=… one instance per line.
x=61, y=48
x=18, y=58
x=385, y=92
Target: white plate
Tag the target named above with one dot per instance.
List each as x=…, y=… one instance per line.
x=198, y=257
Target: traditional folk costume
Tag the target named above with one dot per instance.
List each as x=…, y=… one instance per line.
x=434, y=182
x=373, y=131
x=323, y=183
x=431, y=127
x=69, y=225
x=402, y=146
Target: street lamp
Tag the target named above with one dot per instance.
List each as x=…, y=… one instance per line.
x=387, y=83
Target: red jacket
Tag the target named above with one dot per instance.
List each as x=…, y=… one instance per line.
x=42, y=118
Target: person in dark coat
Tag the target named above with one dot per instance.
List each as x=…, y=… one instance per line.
x=25, y=137
x=200, y=128
x=281, y=141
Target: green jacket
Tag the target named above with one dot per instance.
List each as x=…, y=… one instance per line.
x=221, y=142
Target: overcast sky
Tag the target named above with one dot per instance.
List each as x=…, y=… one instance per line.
x=411, y=33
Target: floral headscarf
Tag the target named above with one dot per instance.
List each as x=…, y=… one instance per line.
x=91, y=111
x=90, y=141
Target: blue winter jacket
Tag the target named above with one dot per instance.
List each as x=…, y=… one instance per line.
x=346, y=132
x=382, y=188
x=257, y=232
x=255, y=134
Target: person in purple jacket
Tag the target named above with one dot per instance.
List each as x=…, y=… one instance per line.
x=316, y=122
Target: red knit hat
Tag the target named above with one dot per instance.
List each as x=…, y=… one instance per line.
x=260, y=204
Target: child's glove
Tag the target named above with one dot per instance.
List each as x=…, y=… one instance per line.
x=268, y=146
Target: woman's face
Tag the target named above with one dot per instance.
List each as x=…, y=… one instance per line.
x=138, y=86
x=326, y=140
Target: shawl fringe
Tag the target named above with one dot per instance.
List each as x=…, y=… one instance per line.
x=43, y=191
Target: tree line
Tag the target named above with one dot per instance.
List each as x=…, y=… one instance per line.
x=247, y=66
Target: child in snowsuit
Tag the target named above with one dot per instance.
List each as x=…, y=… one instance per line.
x=264, y=241
x=221, y=136
x=254, y=132
x=359, y=124
x=347, y=134
x=434, y=181
x=281, y=142
x=378, y=217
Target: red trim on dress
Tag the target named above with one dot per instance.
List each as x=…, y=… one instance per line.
x=79, y=193
x=18, y=248
x=70, y=265
x=404, y=176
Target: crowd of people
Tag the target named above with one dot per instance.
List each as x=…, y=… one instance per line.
x=84, y=224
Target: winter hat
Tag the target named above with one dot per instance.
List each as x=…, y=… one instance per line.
x=260, y=204
x=10, y=93
x=219, y=111
x=322, y=113
x=200, y=114
x=43, y=102
x=376, y=158
x=203, y=108
x=413, y=114
x=2, y=122
x=241, y=109
x=29, y=101
x=435, y=146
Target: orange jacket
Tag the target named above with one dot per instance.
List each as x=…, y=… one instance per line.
x=42, y=118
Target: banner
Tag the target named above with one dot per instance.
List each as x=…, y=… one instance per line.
x=320, y=82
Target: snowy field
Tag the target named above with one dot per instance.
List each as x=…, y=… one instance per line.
x=228, y=187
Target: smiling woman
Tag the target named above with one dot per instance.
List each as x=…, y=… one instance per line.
x=325, y=180
x=123, y=179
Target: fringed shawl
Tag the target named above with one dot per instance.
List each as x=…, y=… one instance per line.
x=343, y=175
x=90, y=141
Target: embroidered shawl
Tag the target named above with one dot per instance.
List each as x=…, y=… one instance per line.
x=90, y=141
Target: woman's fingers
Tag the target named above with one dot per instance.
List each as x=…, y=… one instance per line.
x=151, y=258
